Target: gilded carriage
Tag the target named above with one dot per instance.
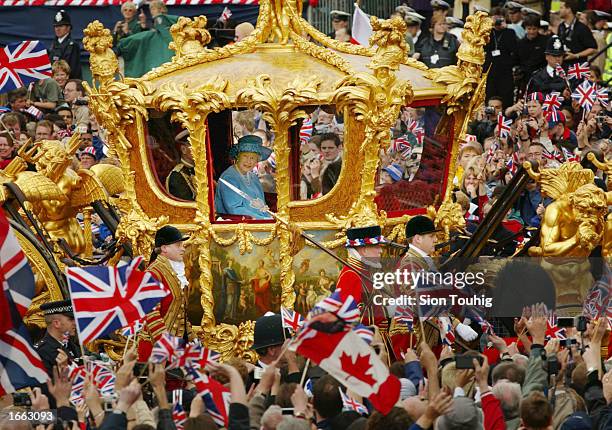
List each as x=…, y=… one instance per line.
x=284, y=71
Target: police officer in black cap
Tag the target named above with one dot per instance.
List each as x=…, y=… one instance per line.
x=63, y=47
x=56, y=346
x=548, y=78
x=268, y=339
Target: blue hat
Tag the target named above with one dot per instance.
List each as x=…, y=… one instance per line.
x=250, y=143
x=577, y=421
x=395, y=171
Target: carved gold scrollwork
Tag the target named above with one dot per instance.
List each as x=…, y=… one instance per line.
x=117, y=104
x=191, y=108
x=189, y=36
x=376, y=100
x=281, y=109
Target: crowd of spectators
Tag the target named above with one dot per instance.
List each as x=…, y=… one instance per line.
x=530, y=383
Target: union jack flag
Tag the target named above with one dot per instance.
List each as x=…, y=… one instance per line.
x=178, y=415
x=416, y=130
x=77, y=375
x=503, y=125
x=560, y=72
x=103, y=378
x=106, y=299
x=585, y=95
x=476, y=315
x=20, y=364
x=190, y=356
x=513, y=163
x=22, y=63
x=225, y=15
x=552, y=331
x=554, y=155
x=208, y=356
x=552, y=101
x=291, y=319
x=346, y=310
x=365, y=333
x=578, y=71
x=570, y=156
x=404, y=315
x=602, y=95
x=402, y=145
x=447, y=333
x=306, y=131
x=216, y=397
x=350, y=404
x=35, y=112
x=490, y=152
x=598, y=300
x=166, y=348
x=132, y=328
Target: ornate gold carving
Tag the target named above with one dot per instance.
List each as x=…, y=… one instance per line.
x=103, y=62
x=376, y=100
x=231, y=341
x=189, y=36
x=449, y=217
x=245, y=238
x=191, y=109
x=281, y=109
x=323, y=54
x=606, y=246
x=573, y=224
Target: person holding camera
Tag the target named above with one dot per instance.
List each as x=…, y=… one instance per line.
x=130, y=24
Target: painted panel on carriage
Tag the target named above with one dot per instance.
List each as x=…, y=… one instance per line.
x=247, y=286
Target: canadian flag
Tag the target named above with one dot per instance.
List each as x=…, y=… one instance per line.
x=350, y=360
x=362, y=29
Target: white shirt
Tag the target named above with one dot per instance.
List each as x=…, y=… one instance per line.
x=179, y=269
x=550, y=71
x=61, y=39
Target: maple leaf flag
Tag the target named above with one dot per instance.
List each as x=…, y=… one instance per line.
x=350, y=360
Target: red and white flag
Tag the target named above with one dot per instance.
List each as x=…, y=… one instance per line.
x=578, y=71
x=350, y=360
x=362, y=29
x=291, y=319
x=225, y=15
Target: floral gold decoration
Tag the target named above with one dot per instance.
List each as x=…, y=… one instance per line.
x=375, y=99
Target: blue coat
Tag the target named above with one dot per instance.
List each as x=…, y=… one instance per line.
x=228, y=202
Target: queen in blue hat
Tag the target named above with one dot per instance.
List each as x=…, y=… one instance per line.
x=246, y=154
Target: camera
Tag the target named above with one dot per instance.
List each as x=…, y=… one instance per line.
x=489, y=110
x=22, y=399
x=80, y=102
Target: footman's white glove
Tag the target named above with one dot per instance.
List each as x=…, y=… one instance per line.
x=466, y=332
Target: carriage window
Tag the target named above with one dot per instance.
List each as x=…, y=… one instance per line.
x=239, y=150
x=319, y=160
x=412, y=169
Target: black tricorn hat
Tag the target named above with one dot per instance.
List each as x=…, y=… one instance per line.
x=269, y=331
x=167, y=235
x=554, y=46
x=61, y=18
x=59, y=307
x=420, y=224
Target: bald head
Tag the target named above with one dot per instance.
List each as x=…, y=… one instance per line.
x=243, y=30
